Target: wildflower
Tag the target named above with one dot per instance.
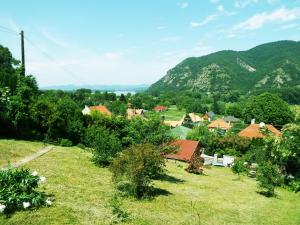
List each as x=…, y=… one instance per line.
x=48, y=202
x=42, y=179
x=34, y=173
x=2, y=208
x=26, y=205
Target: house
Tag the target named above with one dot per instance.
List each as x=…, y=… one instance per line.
x=160, y=108
x=231, y=119
x=180, y=132
x=135, y=112
x=208, y=116
x=195, y=118
x=173, y=123
x=100, y=108
x=257, y=130
x=186, y=150
x=219, y=124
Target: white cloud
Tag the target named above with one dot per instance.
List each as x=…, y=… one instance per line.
x=205, y=21
x=220, y=8
x=184, y=5
x=244, y=3
x=259, y=20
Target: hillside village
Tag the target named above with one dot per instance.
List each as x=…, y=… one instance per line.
x=133, y=114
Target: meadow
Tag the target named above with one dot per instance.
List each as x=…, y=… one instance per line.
x=82, y=194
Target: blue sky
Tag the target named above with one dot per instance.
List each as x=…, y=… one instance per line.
x=136, y=41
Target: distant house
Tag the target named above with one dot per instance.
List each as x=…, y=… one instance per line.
x=180, y=132
x=195, y=118
x=231, y=119
x=208, y=116
x=160, y=108
x=173, y=123
x=219, y=124
x=186, y=150
x=257, y=131
x=135, y=112
x=100, y=108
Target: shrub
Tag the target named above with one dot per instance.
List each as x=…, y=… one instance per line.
x=18, y=190
x=268, y=176
x=65, y=142
x=105, y=145
x=239, y=167
x=135, y=167
x=196, y=164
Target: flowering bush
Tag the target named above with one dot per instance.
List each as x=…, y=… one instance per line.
x=18, y=190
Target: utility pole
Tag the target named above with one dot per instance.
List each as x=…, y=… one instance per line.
x=22, y=53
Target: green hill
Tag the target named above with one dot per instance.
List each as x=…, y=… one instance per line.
x=271, y=65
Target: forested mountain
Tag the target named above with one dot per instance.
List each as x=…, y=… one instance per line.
x=271, y=65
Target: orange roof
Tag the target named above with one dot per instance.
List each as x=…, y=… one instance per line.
x=101, y=109
x=195, y=118
x=219, y=123
x=160, y=108
x=253, y=131
x=187, y=149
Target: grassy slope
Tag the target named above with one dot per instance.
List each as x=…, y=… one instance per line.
x=12, y=151
x=82, y=192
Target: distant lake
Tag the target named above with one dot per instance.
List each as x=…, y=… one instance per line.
x=118, y=93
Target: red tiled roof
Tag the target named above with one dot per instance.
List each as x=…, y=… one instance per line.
x=160, y=108
x=187, y=149
x=101, y=108
x=253, y=131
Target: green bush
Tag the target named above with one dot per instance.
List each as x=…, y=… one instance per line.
x=18, y=190
x=65, y=142
x=239, y=167
x=268, y=176
x=134, y=169
x=105, y=145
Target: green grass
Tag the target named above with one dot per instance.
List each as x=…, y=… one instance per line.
x=12, y=150
x=82, y=193
x=173, y=113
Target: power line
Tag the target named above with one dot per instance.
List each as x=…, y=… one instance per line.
x=53, y=60
x=8, y=30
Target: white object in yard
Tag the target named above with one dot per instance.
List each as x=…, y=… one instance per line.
x=253, y=121
x=227, y=160
x=208, y=160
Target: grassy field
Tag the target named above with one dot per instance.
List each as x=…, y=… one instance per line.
x=82, y=193
x=173, y=113
x=12, y=151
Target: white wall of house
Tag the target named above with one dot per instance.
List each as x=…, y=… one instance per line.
x=86, y=110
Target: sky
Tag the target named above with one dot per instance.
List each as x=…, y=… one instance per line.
x=108, y=42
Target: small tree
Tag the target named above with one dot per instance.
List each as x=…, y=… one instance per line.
x=134, y=169
x=268, y=176
x=196, y=164
x=105, y=144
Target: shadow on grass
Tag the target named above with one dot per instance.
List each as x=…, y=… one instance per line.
x=267, y=194
x=154, y=192
x=171, y=179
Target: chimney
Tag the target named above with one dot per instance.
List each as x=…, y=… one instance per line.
x=253, y=121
